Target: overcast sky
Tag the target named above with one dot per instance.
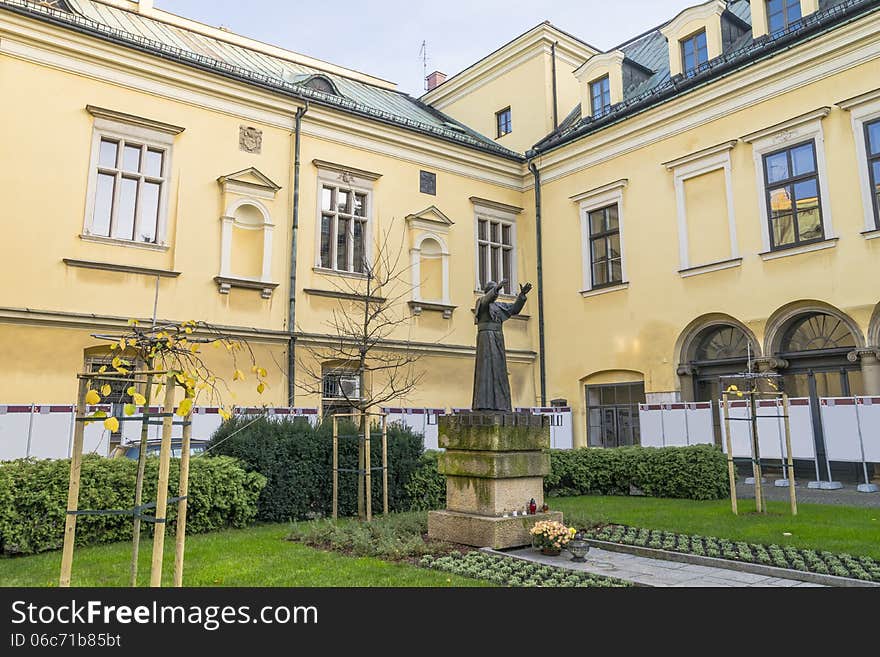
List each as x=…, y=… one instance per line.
x=383, y=37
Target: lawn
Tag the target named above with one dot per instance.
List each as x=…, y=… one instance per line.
x=833, y=528
x=253, y=557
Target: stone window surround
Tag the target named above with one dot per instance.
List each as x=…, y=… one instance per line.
x=494, y=211
x=864, y=109
x=803, y=128
x=595, y=199
x=121, y=126
x=349, y=179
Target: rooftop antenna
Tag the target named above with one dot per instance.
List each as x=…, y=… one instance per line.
x=423, y=55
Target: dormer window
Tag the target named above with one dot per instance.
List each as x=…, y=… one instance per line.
x=694, y=52
x=781, y=14
x=600, y=96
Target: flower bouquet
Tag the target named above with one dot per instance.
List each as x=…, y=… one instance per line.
x=551, y=536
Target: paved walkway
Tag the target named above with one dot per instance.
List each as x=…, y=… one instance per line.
x=655, y=572
x=847, y=496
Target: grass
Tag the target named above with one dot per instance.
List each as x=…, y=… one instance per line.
x=254, y=557
x=851, y=530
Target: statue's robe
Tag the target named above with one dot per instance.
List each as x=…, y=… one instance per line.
x=491, y=384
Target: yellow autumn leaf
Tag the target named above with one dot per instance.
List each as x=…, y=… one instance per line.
x=139, y=399
x=262, y=372
x=106, y=389
x=122, y=370
x=112, y=424
x=102, y=369
x=117, y=361
x=238, y=375
x=92, y=397
x=188, y=330
x=129, y=409
x=113, y=346
x=100, y=414
x=131, y=390
x=226, y=415
x=261, y=388
x=185, y=407
x=132, y=322
x=194, y=349
x=123, y=343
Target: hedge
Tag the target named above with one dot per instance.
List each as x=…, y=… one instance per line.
x=698, y=472
x=33, y=499
x=296, y=459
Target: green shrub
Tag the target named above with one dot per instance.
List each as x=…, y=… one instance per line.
x=296, y=459
x=33, y=499
x=426, y=488
x=698, y=472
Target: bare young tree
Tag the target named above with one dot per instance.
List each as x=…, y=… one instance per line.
x=362, y=360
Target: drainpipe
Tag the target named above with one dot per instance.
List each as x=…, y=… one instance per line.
x=555, y=94
x=291, y=316
x=541, y=350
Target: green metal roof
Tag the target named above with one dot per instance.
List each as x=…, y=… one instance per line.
x=651, y=51
x=258, y=68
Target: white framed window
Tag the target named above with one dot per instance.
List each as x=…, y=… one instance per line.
x=865, y=115
x=602, y=238
x=781, y=138
x=691, y=168
x=345, y=207
x=496, y=255
x=129, y=171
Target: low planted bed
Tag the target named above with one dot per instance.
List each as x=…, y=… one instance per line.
x=507, y=571
x=791, y=558
x=403, y=537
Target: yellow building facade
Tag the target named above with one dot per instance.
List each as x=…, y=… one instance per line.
x=696, y=200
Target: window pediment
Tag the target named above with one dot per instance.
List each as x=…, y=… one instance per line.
x=251, y=182
x=431, y=219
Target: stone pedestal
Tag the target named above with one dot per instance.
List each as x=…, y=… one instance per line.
x=494, y=464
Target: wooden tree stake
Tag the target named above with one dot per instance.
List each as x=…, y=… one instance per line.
x=731, y=472
x=162, y=488
x=385, y=464
x=183, y=491
x=791, y=492
x=139, y=482
x=73, y=487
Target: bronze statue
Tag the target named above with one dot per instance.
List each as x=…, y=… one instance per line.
x=491, y=385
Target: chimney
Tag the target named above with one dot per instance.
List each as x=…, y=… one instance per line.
x=435, y=80
x=145, y=6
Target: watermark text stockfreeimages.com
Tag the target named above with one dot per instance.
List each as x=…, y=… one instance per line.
x=209, y=617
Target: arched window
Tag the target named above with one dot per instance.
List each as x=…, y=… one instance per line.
x=815, y=332
x=722, y=343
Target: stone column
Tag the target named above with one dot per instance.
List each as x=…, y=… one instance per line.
x=686, y=375
x=869, y=360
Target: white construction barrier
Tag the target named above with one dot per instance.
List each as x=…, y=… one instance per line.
x=852, y=428
x=45, y=431
x=561, y=436
x=676, y=425
x=423, y=421
x=771, y=429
